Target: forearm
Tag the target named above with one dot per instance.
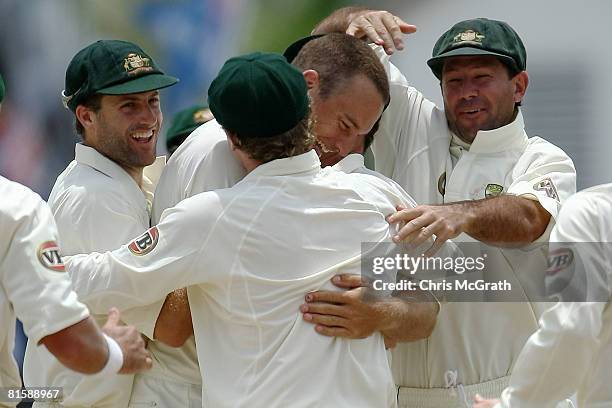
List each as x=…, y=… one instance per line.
x=80, y=347
x=174, y=325
x=406, y=321
x=339, y=20
x=505, y=221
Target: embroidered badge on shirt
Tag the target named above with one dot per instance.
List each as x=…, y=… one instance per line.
x=144, y=243
x=50, y=257
x=493, y=190
x=548, y=187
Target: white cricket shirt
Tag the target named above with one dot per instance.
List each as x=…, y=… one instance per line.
x=572, y=350
x=33, y=283
x=97, y=207
x=251, y=252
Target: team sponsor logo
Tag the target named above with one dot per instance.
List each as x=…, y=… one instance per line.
x=559, y=259
x=136, y=64
x=442, y=184
x=202, y=116
x=50, y=257
x=493, y=190
x=548, y=187
x=144, y=243
x=468, y=36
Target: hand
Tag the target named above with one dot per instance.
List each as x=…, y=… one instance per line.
x=136, y=358
x=342, y=314
x=425, y=221
x=382, y=28
x=480, y=402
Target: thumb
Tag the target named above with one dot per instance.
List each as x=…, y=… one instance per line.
x=113, y=317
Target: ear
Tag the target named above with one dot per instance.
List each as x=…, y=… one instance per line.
x=521, y=82
x=85, y=116
x=312, y=78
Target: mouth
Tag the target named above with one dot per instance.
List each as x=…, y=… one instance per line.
x=321, y=148
x=471, y=112
x=142, y=136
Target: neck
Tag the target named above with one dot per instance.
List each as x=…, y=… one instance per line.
x=134, y=172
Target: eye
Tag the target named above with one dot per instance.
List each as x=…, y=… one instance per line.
x=128, y=105
x=154, y=101
x=343, y=125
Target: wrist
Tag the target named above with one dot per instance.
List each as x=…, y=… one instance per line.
x=115, y=358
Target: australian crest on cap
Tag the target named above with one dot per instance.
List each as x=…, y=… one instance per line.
x=468, y=36
x=135, y=64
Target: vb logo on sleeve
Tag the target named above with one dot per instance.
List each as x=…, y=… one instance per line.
x=50, y=257
x=144, y=243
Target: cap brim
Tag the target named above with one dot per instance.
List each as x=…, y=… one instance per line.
x=294, y=49
x=142, y=84
x=436, y=63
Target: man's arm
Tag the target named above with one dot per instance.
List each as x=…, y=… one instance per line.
x=380, y=27
x=82, y=347
x=174, y=325
x=345, y=314
x=502, y=221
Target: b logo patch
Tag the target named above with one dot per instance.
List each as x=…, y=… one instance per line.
x=548, y=187
x=50, y=257
x=144, y=243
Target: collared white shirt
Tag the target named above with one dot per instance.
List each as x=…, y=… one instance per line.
x=413, y=147
x=97, y=207
x=33, y=283
x=572, y=350
x=249, y=254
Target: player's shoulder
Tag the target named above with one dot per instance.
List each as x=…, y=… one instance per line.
x=18, y=200
x=591, y=200
x=538, y=146
x=198, y=144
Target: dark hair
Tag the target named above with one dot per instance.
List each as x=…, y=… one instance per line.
x=94, y=103
x=340, y=57
x=293, y=142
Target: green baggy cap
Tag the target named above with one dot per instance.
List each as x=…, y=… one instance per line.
x=258, y=95
x=187, y=120
x=111, y=67
x=479, y=36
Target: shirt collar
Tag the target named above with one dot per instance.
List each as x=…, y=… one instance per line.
x=91, y=157
x=291, y=165
x=350, y=163
x=508, y=137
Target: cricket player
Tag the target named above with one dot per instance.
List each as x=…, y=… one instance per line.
x=347, y=114
x=103, y=199
x=482, y=180
x=35, y=287
x=572, y=350
x=249, y=332
x=185, y=122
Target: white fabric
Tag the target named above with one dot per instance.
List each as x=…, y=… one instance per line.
x=251, y=252
x=115, y=358
x=572, y=350
x=42, y=298
x=97, y=207
x=413, y=147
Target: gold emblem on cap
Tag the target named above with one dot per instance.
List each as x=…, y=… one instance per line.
x=469, y=36
x=135, y=64
x=201, y=116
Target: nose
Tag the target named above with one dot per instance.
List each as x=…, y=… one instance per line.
x=148, y=116
x=469, y=90
x=346, y=144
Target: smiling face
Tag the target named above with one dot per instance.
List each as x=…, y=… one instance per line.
x=125, y=128
x=479, y=94
x=344, y=118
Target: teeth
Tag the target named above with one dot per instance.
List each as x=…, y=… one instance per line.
x=142, y=135
x=324, y=148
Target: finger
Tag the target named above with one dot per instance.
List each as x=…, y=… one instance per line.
x=404, y=26
x=324, y=309
x=421, y=237
x=362, y=27
x=383, y=33
x=327, y=296
x=148, y=363
x=394, y=29
x=349, y=281
x=421, y=224
x=478, y=398
x=404, y=215
x=325, y=320
x=113, y=317
x=435, y=247
x=333, y=331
